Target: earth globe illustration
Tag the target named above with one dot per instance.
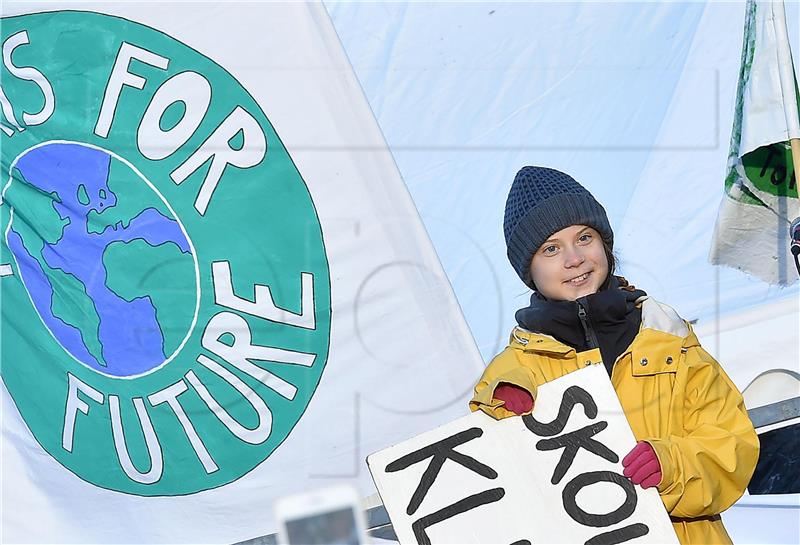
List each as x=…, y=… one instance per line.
x=107, y=265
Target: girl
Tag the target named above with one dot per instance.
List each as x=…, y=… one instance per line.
x=696, y=442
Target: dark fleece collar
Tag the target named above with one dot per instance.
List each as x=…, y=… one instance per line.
x=611, y=315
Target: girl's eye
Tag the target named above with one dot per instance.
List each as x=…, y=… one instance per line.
x=549, y=249
x=586, y=237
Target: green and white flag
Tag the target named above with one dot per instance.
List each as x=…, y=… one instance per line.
x=752, y=230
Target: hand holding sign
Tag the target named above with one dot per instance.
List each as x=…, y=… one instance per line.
x=516, y=399
x=642, y=466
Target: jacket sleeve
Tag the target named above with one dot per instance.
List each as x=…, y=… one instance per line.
x=705, y=470
x=504, y=368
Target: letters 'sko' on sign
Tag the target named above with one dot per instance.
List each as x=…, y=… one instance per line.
x=552, y=477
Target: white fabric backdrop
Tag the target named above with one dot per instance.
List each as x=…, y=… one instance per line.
x=635, y=100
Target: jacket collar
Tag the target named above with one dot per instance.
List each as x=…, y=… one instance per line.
x=670, y=333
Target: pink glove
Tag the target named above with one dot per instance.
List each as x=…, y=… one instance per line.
x=642, y=466
x=517, y=400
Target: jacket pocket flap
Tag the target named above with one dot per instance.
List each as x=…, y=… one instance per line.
x=659, y=354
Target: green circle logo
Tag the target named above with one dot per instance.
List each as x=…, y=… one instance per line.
x=165, y=288
x=769, y=169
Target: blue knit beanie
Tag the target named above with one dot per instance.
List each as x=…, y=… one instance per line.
x=541, y=202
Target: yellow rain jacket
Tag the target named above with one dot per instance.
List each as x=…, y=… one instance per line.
x=675, y=396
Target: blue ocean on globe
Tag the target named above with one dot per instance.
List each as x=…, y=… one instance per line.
x=98, y=251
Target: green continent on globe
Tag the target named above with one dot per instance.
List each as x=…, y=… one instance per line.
x=136, y=269
x=42, y=225
x=131, y=193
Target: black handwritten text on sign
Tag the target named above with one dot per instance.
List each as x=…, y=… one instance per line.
x=572, y=442
x=439, y=452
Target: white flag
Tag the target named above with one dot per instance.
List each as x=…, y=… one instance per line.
x=215, y=287
x=760, y=201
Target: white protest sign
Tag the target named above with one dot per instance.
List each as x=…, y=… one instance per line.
x=552, y=477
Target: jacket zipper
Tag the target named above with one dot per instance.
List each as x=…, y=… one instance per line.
x=589, y=334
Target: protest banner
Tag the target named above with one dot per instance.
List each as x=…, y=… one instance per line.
x=554, y=476
x=205, y=240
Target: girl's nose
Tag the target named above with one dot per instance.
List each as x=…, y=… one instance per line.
x=573, y=257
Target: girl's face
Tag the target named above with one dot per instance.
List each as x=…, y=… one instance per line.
x=570, y=264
